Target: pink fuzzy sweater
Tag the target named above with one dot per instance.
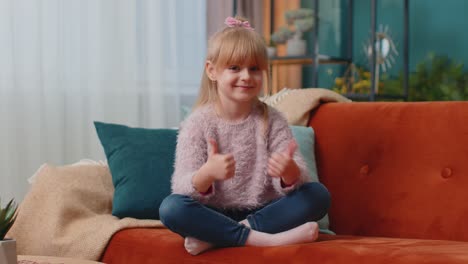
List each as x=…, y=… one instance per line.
x=251, y=186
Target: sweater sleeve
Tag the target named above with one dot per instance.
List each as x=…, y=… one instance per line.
x=279, y=137
x=191, y=154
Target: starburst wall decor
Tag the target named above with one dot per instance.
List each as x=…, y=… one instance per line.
x=386, y=53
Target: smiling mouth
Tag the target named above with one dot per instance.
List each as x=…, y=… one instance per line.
x=244, y=87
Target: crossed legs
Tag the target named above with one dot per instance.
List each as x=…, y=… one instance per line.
x=288, y=220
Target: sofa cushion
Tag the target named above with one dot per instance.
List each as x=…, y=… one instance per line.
x=141, y=163
x=163, y=246
x=305, y=139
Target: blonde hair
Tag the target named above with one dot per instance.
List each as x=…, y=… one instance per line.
x=234, y=46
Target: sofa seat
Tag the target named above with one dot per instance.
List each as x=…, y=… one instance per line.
x=142, y=245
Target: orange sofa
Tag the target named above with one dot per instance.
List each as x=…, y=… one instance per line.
x=398, y=176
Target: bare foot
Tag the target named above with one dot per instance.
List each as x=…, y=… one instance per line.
x=304, y=233
x=195, y=246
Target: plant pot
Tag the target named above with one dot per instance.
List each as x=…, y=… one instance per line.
x=296, y=46
x=8, y=251
x=271, y=51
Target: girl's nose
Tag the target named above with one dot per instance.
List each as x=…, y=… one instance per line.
x=245, y=74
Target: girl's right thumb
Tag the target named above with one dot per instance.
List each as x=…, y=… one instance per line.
x=214, y=146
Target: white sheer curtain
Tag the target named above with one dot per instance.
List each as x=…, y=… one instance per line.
x=65, y=64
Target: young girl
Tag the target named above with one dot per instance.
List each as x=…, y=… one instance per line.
x=238, y=178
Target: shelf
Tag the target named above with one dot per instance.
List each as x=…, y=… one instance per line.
x=307, y=59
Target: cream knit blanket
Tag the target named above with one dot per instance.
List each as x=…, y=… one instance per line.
x=67, y=213
x=296, y=104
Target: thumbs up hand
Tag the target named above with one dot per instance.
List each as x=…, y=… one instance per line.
x=283, y=165
x=219, y=166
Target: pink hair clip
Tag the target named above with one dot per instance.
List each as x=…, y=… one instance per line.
x=233, y=22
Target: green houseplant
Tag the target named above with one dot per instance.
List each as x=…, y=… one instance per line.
x=7, y=219
x=439, y=78
x=435, y=78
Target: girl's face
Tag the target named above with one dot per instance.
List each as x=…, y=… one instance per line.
x=237, y=83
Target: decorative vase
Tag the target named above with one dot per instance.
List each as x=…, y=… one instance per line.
x=296, y=46
x=271, y=51
x=8, y=251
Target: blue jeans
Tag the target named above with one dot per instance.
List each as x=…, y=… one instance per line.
x=188, y=217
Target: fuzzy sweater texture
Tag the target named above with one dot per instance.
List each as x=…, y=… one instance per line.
x=251, y=187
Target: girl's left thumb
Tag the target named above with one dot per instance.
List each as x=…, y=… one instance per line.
x=292, y=147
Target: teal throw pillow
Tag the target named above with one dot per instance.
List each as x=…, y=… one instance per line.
x=141, y=162
x=305, y=138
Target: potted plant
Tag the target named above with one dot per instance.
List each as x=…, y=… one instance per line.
x=7, y=246
x=298, y=21
x=271, y=49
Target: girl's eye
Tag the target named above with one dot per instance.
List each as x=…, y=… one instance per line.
x=234, y=68
x=254, y=68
